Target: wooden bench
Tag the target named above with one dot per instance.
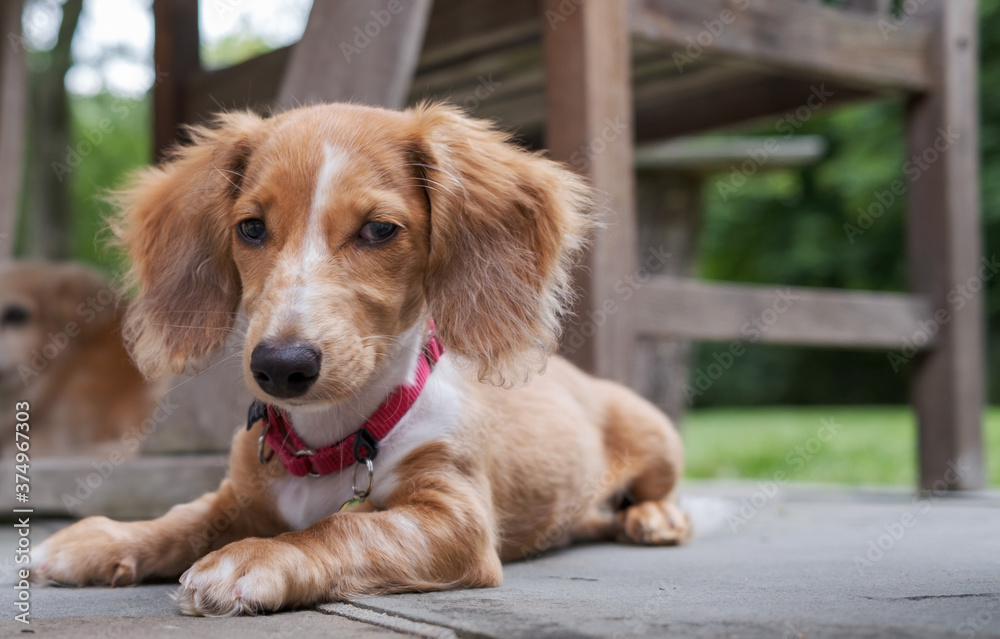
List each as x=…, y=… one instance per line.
x=590, y=79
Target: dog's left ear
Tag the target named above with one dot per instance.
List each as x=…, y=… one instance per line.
x=506, y=228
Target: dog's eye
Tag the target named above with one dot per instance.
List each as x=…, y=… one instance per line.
x=375, y=232
x=14, y=316
x=253, y=230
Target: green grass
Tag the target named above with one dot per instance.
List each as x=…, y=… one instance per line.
x=871, y=445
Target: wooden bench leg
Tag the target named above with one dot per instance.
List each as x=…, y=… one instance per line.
x=589, y=125
x=176, y=58
x=945, y=253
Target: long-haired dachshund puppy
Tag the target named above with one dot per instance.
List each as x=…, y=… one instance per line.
x=403, y=274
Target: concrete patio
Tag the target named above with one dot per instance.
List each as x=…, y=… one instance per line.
x=802, y=562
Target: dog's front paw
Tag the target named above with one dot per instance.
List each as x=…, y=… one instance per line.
x=93, y=552
x=251, y=576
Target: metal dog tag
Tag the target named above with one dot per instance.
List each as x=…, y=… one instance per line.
x=352, y=503
x=360, y=495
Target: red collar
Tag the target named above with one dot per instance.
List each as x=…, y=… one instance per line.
x=300, y=460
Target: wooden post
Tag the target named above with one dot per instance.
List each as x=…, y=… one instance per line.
x=590, y=125
x=176, y=58
x=359, y=50
x=13, y=105
x=669, y=206
x=945, y=248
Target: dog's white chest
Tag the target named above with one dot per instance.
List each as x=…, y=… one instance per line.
x=303, y=501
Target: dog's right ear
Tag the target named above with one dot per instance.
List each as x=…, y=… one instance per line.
x=174, y=227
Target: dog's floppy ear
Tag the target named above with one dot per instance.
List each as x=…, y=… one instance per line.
x=174, y=227
x=506, y=227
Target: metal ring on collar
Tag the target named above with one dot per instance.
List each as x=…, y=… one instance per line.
x=260, y=446
x=354, y=483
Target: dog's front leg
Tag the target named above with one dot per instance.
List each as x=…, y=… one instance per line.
x=436, y=533
x=98, y=551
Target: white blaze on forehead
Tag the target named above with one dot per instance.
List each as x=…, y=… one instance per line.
x=295, y=301
x=334, y=161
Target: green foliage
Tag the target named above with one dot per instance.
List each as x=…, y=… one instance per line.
x=990, y=141
x=111, y=137
x=232, y=50
x=875, y=445
x=808, y=228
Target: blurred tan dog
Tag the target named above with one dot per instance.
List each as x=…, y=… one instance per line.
x=389, y=264
x=61, y=351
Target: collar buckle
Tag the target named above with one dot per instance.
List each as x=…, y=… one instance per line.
x=365, y=445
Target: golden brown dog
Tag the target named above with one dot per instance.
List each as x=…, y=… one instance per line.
x=61, y=351
x=343, y=231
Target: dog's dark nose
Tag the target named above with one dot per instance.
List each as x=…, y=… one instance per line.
x=285, y=369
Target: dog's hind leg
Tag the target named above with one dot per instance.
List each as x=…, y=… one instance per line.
x=642, y=439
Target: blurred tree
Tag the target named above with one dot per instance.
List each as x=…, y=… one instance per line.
x=990, y=140
x=46, y=231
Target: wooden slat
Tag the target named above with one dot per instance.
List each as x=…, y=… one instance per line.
x=673, y=107
x=712, y=154
x=463, y=41
x=589, y=124
x=459, y=29
x=719, y=312
x=877, y=7
x=945, y=247
x=136, y=488
x=176, y=58
x=811, y=39
x=356, y=51
x=253, y=84
x=13, y=103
